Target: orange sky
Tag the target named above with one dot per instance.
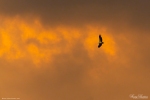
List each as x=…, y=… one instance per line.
x=53, y=55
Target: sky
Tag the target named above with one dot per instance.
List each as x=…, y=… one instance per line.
x=48, y=49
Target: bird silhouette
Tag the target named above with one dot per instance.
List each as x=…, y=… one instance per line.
x=100, y=41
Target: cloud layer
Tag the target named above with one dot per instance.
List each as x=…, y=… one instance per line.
x=48, y=49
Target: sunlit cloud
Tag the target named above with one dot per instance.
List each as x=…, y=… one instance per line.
x=91, y=42
x=26, y=39
x=49, y=49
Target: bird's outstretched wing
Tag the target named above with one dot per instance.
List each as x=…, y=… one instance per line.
x=100, y=38
x=99, y=45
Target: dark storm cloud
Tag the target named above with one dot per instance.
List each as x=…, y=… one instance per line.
x=103, y=12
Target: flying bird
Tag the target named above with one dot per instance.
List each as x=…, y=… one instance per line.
x=100, y=41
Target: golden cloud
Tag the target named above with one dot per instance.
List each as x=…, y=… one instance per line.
x=25, y=39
